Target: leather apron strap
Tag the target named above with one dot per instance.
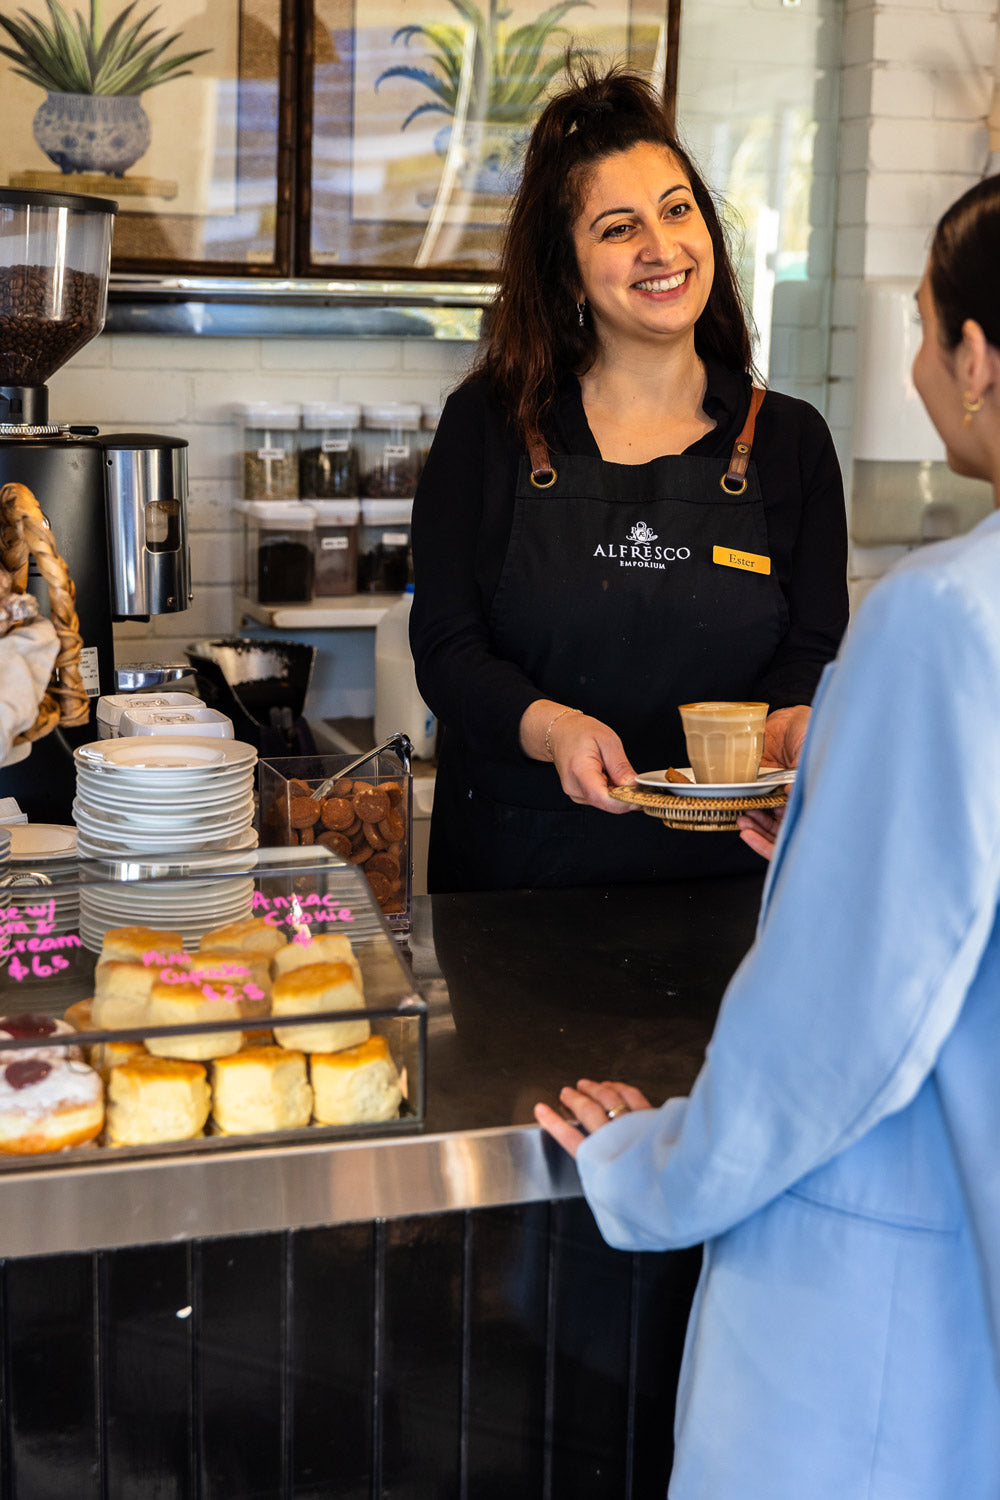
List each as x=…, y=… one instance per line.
x=733, y=481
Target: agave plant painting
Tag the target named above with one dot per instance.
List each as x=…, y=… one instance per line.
x=92, y=119
x=490, y=75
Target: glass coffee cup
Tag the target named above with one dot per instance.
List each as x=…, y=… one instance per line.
x=725, y=741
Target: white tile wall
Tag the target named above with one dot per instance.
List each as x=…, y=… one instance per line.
x=186, y=387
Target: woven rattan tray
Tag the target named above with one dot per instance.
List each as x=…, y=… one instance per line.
x=697, y=814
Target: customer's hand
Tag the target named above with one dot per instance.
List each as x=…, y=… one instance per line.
x=591, y=1105
x=588, y=755
x=784, y=733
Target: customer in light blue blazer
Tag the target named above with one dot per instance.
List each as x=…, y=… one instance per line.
x=840, y=1151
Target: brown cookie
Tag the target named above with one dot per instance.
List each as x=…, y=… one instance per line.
x=393, y=791
x=373, y=836
x=381, y=888
x=393, y=905
x=337, y=842
x=396, y=850
x=307, y=835
x=342, y=788
x=337, y=813
x=353, y=827
x=361, y=853
x=297, y=788
x=385, y=865
x=370, y=803
x=392, y=827
x=302, y=812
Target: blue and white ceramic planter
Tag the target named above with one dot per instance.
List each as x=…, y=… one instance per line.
x=92, y=132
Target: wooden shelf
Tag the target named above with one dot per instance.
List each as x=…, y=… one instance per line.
x=351, y=612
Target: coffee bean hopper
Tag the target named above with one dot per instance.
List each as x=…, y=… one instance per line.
x=116, y=505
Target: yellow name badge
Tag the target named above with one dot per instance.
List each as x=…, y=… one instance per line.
x=749, y=562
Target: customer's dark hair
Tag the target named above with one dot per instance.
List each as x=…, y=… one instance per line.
x=532, y=332
x=965, y=264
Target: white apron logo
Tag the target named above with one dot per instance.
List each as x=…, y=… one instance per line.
x=638, y=551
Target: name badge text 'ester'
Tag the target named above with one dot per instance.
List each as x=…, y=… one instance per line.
x=747, y=562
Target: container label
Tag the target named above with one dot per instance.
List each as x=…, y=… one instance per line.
x=90, y=674
x=395, y=450
x=395, y=539
x=334, y=544
x=334, y=445
x=273, y=455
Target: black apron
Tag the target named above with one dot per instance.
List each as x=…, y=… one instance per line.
x=626, y=590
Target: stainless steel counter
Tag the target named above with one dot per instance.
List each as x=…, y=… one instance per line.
x=527, y=990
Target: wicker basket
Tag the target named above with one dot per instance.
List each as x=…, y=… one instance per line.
x=25, y=533
x=697, y=814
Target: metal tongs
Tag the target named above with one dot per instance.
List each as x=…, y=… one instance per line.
x=399, y=742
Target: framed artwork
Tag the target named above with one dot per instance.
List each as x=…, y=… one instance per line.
x=182, y=111
x=415, y=115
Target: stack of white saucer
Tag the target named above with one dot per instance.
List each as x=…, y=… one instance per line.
x=43, y=856
x=186, y=800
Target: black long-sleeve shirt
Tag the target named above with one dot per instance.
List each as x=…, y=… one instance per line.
x=462, y=518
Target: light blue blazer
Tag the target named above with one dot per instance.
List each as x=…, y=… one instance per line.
x=840, y=1151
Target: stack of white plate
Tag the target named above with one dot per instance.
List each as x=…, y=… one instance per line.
x=188, y=801
x=44, y=856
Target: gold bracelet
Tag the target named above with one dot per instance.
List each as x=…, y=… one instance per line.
x=555, y=720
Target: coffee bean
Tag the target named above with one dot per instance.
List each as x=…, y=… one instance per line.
x=39, y=331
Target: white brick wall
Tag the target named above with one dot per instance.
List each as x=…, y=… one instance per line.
x=186, y=387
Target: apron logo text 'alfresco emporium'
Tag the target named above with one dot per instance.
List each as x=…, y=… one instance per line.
x=638, y=551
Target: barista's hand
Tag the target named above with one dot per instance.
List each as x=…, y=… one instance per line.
x=784, y=733
x=759, y=829
x=588, y=755
x=591, y=1105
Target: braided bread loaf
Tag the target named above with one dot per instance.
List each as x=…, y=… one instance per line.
x=24, y=532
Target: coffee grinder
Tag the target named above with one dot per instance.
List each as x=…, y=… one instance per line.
x=116, y=505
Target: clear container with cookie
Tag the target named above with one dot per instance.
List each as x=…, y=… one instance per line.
x=365, y=817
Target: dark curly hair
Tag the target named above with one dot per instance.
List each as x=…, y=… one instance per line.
x=531, y=333
x=965, y=255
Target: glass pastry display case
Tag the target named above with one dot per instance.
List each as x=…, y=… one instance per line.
x=200, y=1003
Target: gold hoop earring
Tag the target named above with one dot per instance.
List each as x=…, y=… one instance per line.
x=970, y=405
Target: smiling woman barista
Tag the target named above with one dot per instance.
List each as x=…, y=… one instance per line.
x=610, y=522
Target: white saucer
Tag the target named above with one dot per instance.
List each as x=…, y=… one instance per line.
x=766, y=782
x=154, y=753
x=35, y=842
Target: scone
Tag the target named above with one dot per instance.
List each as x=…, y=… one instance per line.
x=317, y=987
x=188, y=1004
x=134, y=943
x=121, y=993
x=265, y=1088
x=102, y=1056
x=233, y=966
x=355, y=1086
x=251, y=935
x=156, y=1099
x=325, y=948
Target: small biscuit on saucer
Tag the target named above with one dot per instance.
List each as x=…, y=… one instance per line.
x=318, y=987
x=251, y=935
x=358, y=1085
x=189, y=1004
x=156, y=1099
x=264, y=1088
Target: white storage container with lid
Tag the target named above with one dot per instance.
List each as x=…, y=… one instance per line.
x=270, y=450
x=336, y=547
x=111, y=707
x=384, y=546
x=279, y=563
x=390, y=450
x=328, y=451
x=398, y=704
x=201, y=720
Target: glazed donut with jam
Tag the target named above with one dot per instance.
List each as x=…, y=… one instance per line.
x=49, y=1098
